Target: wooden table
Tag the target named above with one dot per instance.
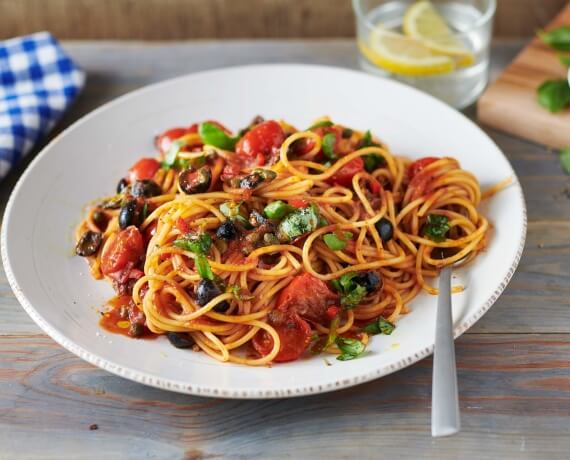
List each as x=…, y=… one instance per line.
x=514, y=369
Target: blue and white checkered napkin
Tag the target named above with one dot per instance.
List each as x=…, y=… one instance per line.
x=38, y=81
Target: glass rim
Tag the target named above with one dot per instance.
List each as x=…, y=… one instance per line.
x=487, y=15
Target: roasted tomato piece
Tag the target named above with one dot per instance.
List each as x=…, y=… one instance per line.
x=345, y=174
x=143, y=169
x=294, y=335
x=126, y=248
x=418, y=165
x=262, y=143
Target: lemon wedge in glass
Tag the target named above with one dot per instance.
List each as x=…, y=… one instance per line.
x=404, y=55
x=423, y=22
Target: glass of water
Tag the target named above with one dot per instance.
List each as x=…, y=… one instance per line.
x=438, y=46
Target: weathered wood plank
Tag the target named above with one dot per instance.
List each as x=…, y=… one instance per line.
x=184, y=19
x=514, y=391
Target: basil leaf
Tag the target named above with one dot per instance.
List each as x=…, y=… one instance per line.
x=321, y=124
x=173, y=151
x=351, y=293
x=350, y=348
x=373, y=161
x=198, y=243
x=329, y=140
x=436, y=227
x=558, y=39
x=565, y=159
x=564, y=60
x=213, y=135
x=380, y=326
x=354, y=297
x=298, y=223
x=277, y=210
x=334, y=242
x=554, y=95
x=203, y=267
x=366, y=140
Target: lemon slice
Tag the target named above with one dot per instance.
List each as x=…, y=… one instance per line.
x=403, y=55
x=424, y=23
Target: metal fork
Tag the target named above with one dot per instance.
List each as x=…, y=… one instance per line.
x=445, y=419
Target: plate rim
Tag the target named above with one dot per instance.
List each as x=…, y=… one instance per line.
x=249, y=393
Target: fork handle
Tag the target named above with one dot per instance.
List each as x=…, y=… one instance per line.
x=444, y=401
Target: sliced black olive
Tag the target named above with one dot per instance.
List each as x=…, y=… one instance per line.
x=385, y=229
x=180, y=340
x=122, y=185
x=136, y=329
x=129, y=214
x=227, y=230
x=145, y=189
x=256, y=178
x=89, y=243
x=208, y=290
x=195, y=180
x=369, y=280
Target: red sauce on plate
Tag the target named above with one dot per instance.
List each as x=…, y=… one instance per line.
x=116, y=318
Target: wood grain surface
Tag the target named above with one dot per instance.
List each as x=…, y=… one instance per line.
x=510, y=103
x=184, y=19
x=514, y=371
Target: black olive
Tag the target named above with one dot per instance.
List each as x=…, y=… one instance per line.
x=195, y=180
x=145, y=189
x=180, y=340
x=129, y=214
x=227, y=230
x=207, y=290
x=136, y=329
x=89, y=243
x=122, y=185
x=385, y=229
x=370, y=280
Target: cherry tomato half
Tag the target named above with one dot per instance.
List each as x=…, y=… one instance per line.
x=126, y=247
x=345, y=174
x=143, y=169
x=262, y=143
x=164, y=141
x=294, y=335
x=418, y=165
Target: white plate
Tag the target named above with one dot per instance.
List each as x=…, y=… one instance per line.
x=86, y=161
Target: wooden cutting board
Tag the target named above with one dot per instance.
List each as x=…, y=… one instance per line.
x=509, y=104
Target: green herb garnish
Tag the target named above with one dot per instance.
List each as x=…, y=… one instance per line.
x=380, y=326
x=298, y=223
x=321, y=124
x=349, y=348
x=558, y=39
x=565, y=159
x=351, y=293
x=554, y=95
x=564, y=60
x=336, y=243
x=329, y=141
x=198, y=243
x=373, y=160
x=173, y=151
x=436, y=227
x=203, y=267
x=277, y=210
x=213, y=135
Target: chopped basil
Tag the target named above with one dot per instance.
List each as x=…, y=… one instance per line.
x=277, y=209
x=366, y=140
x=319, y=345
x=203, y=267
x=380, y=326
x=329, y=140
x=298, y=223
x=565, y=159
x=554, y=95
x=321, y=124
x=436, y=227
x=351, y=292
x=198, y=243
x=558, y=39
x=334, y=242
x=213, y=135
x=349, y=348
x=373, y=160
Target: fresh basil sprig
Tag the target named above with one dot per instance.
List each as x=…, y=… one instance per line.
x=351, y=292
x=436, y=227
x=349, y=348
x=554, y=95
x=558, y=39
x=199, y=244
x=380, y=326
x=213, y=135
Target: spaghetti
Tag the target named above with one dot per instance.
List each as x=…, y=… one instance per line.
x=258, y=247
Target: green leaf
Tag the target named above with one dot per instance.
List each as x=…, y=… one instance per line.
x=564, y=60
x=366, y=140
x=554, y=95
x=298, y=223
x=173, y=151
x=213, y=135
x=203, y=267
x=373, y=161
x=558, y=39
x=277, y=210
x=565, y=159
x=198, y=243
x=380, y=326
x=321, y=124
x=436, y=227
x=334, y=242
x=349, y=348
x=351, y=293
x=329, y=140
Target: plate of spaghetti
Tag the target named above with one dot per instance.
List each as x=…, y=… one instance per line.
x=262, y=231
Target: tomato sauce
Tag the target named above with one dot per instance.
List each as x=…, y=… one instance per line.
x=114, y=320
